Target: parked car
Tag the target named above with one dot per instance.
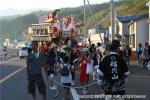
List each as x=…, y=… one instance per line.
x=23, y=52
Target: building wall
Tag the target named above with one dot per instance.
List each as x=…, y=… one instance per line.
x=149, y=24
x=136, y=26
x=95, y=38
x=132, y=32
x=125, y=32
x=92, y=31
x=120, y=28
x=148, y=4
x=142, y=34
x=110, y=32
x=125, y=29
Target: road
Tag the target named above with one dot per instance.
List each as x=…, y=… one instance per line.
x=13, y=83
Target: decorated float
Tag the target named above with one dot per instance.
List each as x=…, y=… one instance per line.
x=52, y=28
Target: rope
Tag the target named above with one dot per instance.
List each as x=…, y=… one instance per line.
x=79, y=87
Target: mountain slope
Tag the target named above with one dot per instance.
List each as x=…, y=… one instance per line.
x=18, y=24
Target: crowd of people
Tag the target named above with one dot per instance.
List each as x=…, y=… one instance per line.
x=109, y=62
x=143, y=54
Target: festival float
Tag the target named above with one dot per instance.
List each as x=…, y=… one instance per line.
x=52, y=28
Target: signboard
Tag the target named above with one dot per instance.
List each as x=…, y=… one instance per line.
x=41, y=38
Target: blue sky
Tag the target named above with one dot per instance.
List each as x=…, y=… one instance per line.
x=50, y=4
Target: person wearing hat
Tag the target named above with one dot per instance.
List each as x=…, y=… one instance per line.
x=51, y=61
x=106, y=51
x=113, y=71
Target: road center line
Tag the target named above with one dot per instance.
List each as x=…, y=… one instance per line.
x=11, y=75
x=9, y=60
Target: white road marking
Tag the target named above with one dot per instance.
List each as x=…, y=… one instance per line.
x=11, y=75
x=145, y=76
x=74, y=94
x=9, y=60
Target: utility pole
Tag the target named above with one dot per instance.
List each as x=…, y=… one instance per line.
x=1, y=35
x=15, y=41
x=15, y=35
x=97, y=31
x=112, y=20
x=84, y=24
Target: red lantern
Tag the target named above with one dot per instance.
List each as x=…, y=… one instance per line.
x=54, y=29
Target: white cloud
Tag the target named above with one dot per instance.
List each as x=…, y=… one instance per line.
x=51, y=4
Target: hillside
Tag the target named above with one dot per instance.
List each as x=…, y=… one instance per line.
x=18, y=24
x=123, y=8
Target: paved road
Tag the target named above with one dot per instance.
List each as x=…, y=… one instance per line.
x=13, y=84
x=15, y=87
x=138, y=84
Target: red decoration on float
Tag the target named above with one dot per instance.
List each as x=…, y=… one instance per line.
x=72, y=30
x=54, y=29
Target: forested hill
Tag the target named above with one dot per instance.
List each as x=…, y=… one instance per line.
x=17, y=24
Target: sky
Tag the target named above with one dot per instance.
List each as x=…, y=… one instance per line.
x=49, y=4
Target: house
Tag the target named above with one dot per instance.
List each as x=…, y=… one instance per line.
x=121, y=27
x=95, y=37
x=138, y=31
x=148, y=4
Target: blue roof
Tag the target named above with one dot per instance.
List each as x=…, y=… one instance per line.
x=138, y=18
x=125, y=19
x=142, y=16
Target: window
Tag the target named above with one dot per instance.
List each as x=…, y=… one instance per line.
x=117, y=28
x=132, y=28
x=132, y=40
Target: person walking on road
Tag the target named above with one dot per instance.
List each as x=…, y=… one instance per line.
x=84, y=76
x=144, y=54
x=139, y=51
x=35, y=61
x=5, y=52
x=66, y=78
x=127, y=54
x=51, y=62
x=113, y=70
